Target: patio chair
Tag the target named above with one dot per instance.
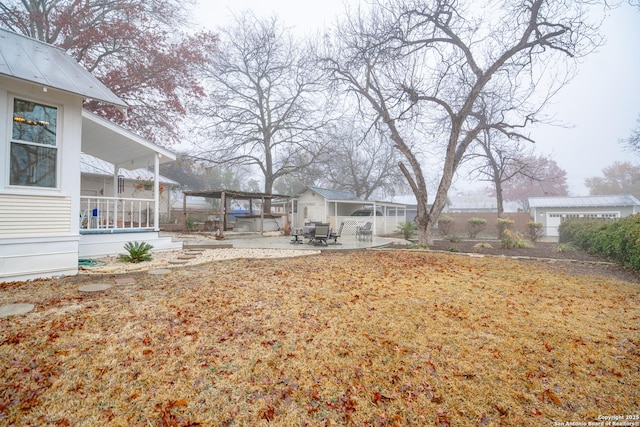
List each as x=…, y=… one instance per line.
x=364, y=232
x=337, y=235
x=322, y=233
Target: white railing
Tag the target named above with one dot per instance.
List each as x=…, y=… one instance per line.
x=109, y=213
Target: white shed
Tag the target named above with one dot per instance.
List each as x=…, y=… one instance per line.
x=552, y=211
x=335, y=207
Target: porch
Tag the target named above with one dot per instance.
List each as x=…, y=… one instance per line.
x=100, y=214
x=105, y=222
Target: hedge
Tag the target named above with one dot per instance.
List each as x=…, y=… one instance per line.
x=618, y=241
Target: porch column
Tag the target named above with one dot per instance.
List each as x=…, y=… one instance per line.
x=375, y=217
x=156, y=192
x=262, y=217
x=116, y=183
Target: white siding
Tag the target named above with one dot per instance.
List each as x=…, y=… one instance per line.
x=24, y=216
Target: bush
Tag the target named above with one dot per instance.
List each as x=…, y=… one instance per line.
x=444, y=224
x=190, y=224
x=619, y=240
x=503, y=224
x=513, y=239
x=535, y=230
x=136, y=252
x=406, y=228
x=475, y=226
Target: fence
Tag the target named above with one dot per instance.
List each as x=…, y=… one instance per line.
x=460, y=223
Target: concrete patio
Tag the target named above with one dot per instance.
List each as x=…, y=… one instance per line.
x=278, y=241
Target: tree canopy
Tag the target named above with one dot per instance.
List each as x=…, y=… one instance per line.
x=618, y=178
x=132, y=46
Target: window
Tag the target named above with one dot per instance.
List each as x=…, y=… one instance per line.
x=34, y=150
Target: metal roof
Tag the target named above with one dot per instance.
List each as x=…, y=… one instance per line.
x=94, y=166
x=583, y=202
x=334, y=194
x=233, y=194
x=37, y=62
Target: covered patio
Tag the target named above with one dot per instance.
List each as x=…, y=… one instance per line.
x=253, y=220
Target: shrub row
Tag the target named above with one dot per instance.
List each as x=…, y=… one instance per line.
x=476, y=225
x=618, y=241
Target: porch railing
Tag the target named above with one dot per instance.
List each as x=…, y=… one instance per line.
x=110, y=213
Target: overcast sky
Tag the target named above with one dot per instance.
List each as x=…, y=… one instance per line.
x=599, y=106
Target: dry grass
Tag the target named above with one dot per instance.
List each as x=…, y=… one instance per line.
x=374, y=338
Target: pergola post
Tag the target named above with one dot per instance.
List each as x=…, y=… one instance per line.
x=223, y=210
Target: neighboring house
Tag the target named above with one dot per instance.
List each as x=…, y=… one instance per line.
x=477, y=203
x=552, y=211
x=43, y=132
x=97, y=180
x=334, y=207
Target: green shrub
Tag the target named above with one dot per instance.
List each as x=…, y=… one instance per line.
x=503, y=224
x=535, y=230
x=512, y=239
x=618, y=241
x=406, y=228
x=190, y=224
x=136, y=252
x=475, y=226
x=445, y=223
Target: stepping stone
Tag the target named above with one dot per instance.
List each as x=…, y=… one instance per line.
x=186, y=257
x=193, y=253
x=178, y=261
x=15, y=309
x=96, y=287
x=160, y=271
x=125, y=281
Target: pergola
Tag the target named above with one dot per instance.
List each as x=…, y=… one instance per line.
x=225, y=195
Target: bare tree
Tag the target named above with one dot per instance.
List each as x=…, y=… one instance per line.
x=633, y=141
x=537, y=176
x=266, y=101
x=429, y=71
x=498, y=160
x=361, y=160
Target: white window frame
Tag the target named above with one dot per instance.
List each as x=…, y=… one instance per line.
x=11, y=141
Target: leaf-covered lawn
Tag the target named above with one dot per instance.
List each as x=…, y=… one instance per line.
x=366, y=338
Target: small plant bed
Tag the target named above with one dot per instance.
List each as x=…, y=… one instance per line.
x=535, y=250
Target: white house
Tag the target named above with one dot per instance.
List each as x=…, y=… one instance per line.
x=551, y=211
x=335, y=207
x=97, y=181
x=42, y=134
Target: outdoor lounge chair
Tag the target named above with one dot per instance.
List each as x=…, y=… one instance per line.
x=336, y=235
x=322, y=233
x=364, y=232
